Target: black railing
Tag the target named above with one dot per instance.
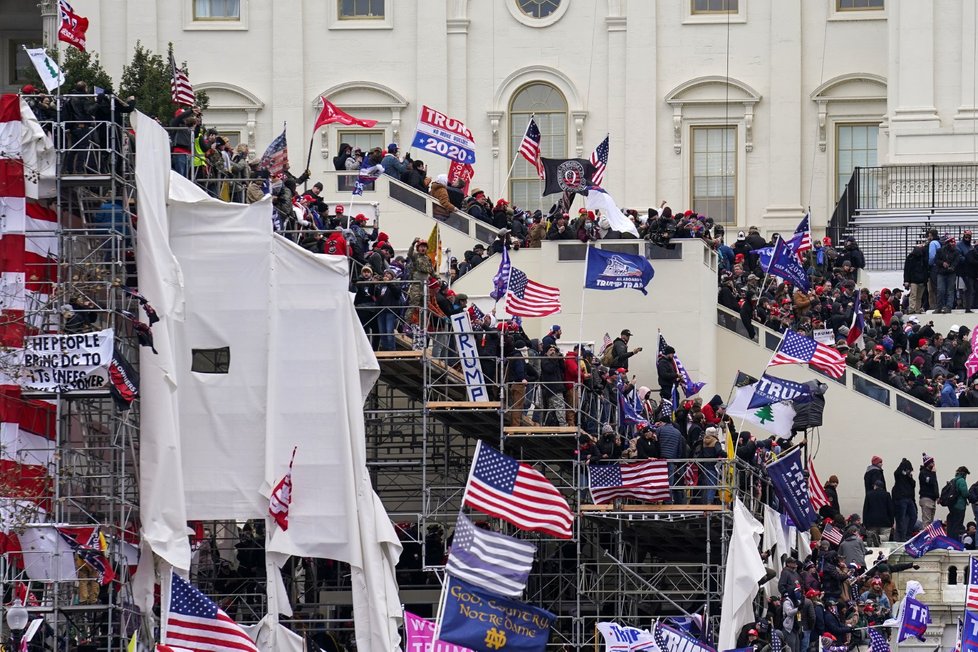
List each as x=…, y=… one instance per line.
x=903, y=187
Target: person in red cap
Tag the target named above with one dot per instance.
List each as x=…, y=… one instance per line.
x=874, y=474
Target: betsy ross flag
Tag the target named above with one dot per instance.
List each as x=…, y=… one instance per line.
x=599, y=159
x=492, y=561
x=832, y=534
x=281, y=498
x=526, y=298
x=181, y=91
x=971, y=597
x=647, y=480
x=505, y=488
x=332, y=113
x=275, y=157
x=73, y=26
x=816, y=491
x=530, y=146
x=798, y=349
x=195, y=623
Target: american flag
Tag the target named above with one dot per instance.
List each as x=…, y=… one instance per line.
x=971, y=597
x=180, y=89
x=528, y=298
x=816, y=491
x=777, y=645
x=660, y=638
x=281, y=498
x=476, y=313
x=877, y=642
x=517, y=493
x=530, y=146
x=275, y=156
x=599, y=159
x=194, y=622
x=802, y=239
x=647, y=480
x=495, y=562
x=606, y=341
x=832, y=534
x=798, y=349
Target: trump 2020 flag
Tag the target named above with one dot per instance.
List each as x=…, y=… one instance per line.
x=785, y=264
x=623, y=638
x=479, y=620
x=608, y=270
x=916, y=617
x=771, y=389
x=788, y=479
x=969, y=632
x=492, y=561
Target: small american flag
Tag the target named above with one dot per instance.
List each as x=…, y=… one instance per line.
x=530, y=146
x=877, y=642
x=492, y=561
x=527, y=298
x=816, y=491
x=195, y=623
x=798, y=349
x=517, y=493
x=971, y=597
x=802, y=239
x=832, y=534
x=275, y=156
x=180, y=89
x=281, y=498
x=599, y=159
x=606, y=341
x=777, y=645
x=647, y=480
x=476, y=313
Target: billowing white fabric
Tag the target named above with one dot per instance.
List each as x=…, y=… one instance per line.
x=47, y=556
x=744, y=569
x=300, y=366
x=38, y=154
x=774, y=538
x=602, y=201
x=271, y=636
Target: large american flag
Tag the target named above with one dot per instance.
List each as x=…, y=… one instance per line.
x=180, y=89
x=527, y=298
x=195, y=623
x=517, y=493
x=798, y=349
x=275, y=156
x=877, y=642
x=530, y=146
x=599, y=159
x=647, y=480
x=816, y=491
x=492, y=561
x=971, y=597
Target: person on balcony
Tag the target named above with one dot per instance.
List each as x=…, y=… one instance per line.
x=904, y=492
x=878, y=512
x=929, y=490
x=479, y=206
x=955, y=514
x=416, y=176
x=710, y=449
x=394, y=166
x=967, y=270
x=438, y=189
x=339, y=161
x=946, y=263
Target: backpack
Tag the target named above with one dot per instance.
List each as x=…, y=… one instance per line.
x=608, y=356
x=949, y=494
x=973, y=493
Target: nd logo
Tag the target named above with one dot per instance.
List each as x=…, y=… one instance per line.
x=495, y=639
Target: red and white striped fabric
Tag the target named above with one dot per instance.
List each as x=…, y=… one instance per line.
x=281, y=498
x=816, y=491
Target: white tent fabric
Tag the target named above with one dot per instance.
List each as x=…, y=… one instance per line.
x=774, y=538
x=47, y=556
x=270, y=636
x=744, y=569
x=299, y=368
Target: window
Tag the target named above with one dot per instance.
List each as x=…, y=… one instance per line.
x=549, y=109
x=211, y=361
x=19, y=67
x=714, y=174
x=217, y=10
x=858, y=5
x=715, y=6
x=538, y=8
x=855, y=146
x=361, y=9
x=366, y=141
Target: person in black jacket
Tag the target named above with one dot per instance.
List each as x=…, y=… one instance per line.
x=184, y=127
x=930, y=490
x=832, y=491
x=874, y=474
x=339, y=161
x=619, y=351
x=665, y=368
x=747, y=314
x=647, y=446
x=852, y=253
x=904, y=506
x=946, y=262
x=878, y=512
x=416, y=176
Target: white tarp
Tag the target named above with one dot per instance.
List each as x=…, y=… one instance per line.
x=744, y=569
x=47, y=556
x=299, y=367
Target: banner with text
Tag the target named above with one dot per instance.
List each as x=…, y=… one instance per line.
x=484, y=621
x=65, y=362
x=419, y=636
x=788, y=479
x=461, y=171
x=468, y=355
x=439, y=134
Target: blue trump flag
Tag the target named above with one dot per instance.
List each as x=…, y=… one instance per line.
x=916, y=617
x=480, y=620
x=609, y=270
x=969, y=632
x=771, y=389
x=788, y=479
x=500, y=282
x=932, y=537
x=785, y=264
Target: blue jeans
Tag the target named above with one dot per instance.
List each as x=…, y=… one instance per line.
x=386, y=321
x=180, y=163
x=946, y=286
x=906, y=516
x=676, y=480
x=708, y=479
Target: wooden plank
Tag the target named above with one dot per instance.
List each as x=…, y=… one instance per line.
x=540, y=430
x=398, y=355
x=653, y=508
x=463, y=405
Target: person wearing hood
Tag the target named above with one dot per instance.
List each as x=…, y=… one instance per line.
x=874, y=474
x=955, y=513
x=904, y=492
x=711, y=450
x=930, y=490
x=439, y=190
x=852, y=548
x=832, y=491
x=713, y=411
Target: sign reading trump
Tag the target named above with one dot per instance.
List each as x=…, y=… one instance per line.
x=439, y=134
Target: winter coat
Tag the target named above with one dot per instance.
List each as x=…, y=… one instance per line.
x=928, y=483
x=873, y=473
x=671, y=442
x=537, y=234
x=443, y=206
x=620, y=354
x=962, y=486
x=647, y=449
x=946, y=260
x=666, y=369
x=853, y=549
x=552, y=375
x=878, y=509
x=904, y=486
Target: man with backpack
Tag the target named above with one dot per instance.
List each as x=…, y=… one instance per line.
x=619, y=350
x=954, y=496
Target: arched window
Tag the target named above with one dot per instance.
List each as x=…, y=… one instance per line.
x=549, y=108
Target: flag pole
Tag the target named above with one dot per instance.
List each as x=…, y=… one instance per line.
x=515, y=158
x=580, y=344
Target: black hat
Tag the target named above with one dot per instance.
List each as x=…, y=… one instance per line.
x=668, y=350
x=626, y=332
x=963, y=470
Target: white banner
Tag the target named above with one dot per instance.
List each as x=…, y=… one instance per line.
x=824, y=335
x=67, y=362
x=469, y=357
x=622, y=638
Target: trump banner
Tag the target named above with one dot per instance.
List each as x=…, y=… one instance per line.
x=484, y=621
x=622, y=638
x=419, y=636
x=461, y=172
x=771, y=389
x=969, y=632
x=439, y=134
x=608, y=270
x=468, y=354
x=788, y=479
x=916, y=617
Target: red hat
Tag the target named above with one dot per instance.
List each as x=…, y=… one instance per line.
x=827, y=241
x=339, y=209
x=922, y=341
x=819, y=289
x=739, y=258
x=877, y=459
x=812, y=593
x=360, y=217
x=878, y=347
x=687, y=213
x=621, y=370
x=382, y=237
x=502, y=202
x=590, y=215
x=752, y=632
x=28, y=89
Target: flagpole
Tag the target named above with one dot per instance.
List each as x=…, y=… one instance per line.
x=515, y=158
x=580, y=341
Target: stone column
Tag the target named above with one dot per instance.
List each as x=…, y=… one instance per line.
x=457, y=27
x=50, y=22
x=286, y=56
x=967, y=109
x=910, y=92
x=617, y=24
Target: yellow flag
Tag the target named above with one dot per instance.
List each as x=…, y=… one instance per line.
x=434, y=248
x=132, y=643
x=726, y=495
